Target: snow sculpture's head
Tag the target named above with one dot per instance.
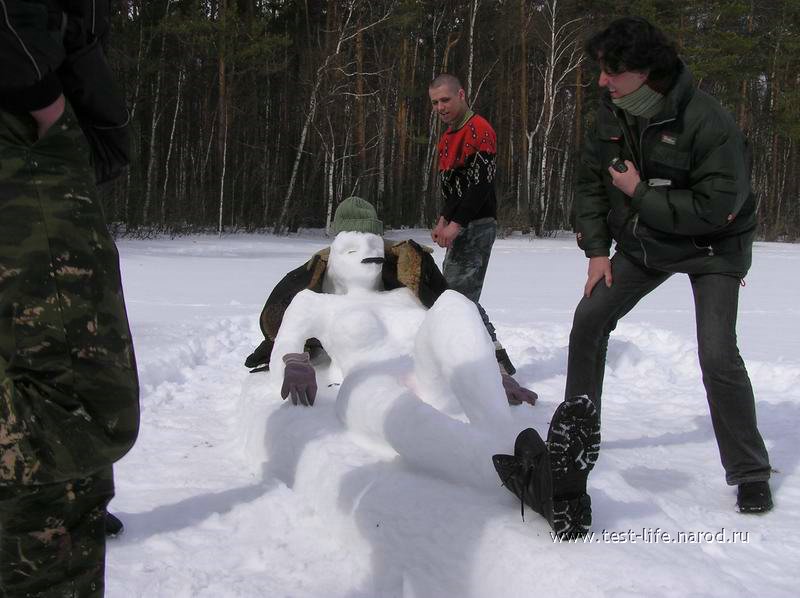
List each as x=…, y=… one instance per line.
x=356, y=257
x=355, y=263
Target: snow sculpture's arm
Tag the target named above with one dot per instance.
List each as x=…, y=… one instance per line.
x=304, y=319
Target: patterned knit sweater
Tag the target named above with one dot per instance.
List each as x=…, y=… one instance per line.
x=467, y=168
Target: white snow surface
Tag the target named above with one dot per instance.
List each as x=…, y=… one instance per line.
x=231, y=491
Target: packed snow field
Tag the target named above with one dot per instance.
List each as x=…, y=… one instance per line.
x=231, y=491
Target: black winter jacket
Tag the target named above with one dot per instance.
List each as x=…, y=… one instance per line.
x=703, y=221
x=49, y=47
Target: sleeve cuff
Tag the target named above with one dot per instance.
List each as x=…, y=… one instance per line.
x=597, y=252
x=638, y=195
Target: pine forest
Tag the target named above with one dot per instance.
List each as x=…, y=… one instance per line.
x=264, y=114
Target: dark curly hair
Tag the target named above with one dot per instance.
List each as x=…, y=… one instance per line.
x=633, y=44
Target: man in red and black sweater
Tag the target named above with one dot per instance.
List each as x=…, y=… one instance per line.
x=467, y=224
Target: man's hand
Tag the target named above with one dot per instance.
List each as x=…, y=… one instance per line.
x=625, y=181
x=47, y=116
x=299, y=379
x=437, y=230
x=517, y=394
x=599, y=269
x=449, y=234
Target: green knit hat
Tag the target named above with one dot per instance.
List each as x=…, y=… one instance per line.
x=356, y=215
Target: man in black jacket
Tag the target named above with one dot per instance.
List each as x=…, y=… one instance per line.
x=666, y=175
x=68, y=384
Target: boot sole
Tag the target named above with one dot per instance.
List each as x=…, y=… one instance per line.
x=573, y=442
x=573, y=439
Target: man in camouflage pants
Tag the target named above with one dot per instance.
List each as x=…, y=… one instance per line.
x=68, y=384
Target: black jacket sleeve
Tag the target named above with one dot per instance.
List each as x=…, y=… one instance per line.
x=591, y=203
x=49, y=47
x=30, y=53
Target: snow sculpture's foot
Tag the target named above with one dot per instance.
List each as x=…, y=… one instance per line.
x=573, y=442
x=551, y=478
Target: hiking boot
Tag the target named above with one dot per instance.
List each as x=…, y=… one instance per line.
x=551, y=478
x=572, y=517
x=573, y=442
x=754, y=497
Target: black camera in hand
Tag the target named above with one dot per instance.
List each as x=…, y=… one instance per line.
x=618, y=165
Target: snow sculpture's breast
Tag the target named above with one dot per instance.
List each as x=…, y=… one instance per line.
x=372, y=327
x=358, y=328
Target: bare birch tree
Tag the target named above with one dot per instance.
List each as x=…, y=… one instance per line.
x=564, y=54
x=348, y=31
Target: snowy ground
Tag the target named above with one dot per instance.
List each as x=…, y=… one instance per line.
x=230, y=491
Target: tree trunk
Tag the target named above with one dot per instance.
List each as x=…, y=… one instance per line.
x=472, y=16
x=169, y=147
x=152, y=165
x=523, y=107
x=223, y=110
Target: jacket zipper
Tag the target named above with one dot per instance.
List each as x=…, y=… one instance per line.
x=19, y=39
x=636, y=236
x=641, y=172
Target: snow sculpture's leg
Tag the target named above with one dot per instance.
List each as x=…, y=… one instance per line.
x=454, y=360
x=374, y=401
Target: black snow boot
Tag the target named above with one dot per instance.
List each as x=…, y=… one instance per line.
x=754, y=497
x=551, y=478
x=573, y=443
x=259, y=358
x=526, y=473
x=114, y=526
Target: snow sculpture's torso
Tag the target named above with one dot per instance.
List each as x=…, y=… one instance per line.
x=362, y=328
x=355, y=320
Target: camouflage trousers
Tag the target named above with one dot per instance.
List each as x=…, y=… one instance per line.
x=465, y=263
x=68, y=385
x=52, y=538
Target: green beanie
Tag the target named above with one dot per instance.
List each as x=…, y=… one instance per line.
x=356, y=215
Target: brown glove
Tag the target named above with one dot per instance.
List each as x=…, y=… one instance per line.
x=299, y=379
x=517, y=394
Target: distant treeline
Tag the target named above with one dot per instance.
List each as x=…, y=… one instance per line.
x=252, y=114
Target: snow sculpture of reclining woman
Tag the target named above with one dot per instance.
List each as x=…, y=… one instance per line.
x=406, y=264
x=426, y=383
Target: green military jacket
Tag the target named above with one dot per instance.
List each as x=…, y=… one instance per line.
x=694, y=210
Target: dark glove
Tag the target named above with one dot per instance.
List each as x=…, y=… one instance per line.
x=517, y=394
x=299, y=379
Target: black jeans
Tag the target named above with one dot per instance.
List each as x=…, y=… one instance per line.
x=728, y=389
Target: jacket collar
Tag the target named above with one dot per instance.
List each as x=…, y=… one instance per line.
x=676, y=99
